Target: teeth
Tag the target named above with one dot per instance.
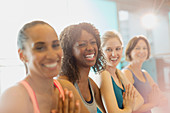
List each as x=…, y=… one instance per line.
x=114, y=59
x=90, y=56
x=50, y=65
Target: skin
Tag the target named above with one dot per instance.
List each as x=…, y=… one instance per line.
x=42, y=55
x=139, y=55
x=86, y=46
x=131, y=98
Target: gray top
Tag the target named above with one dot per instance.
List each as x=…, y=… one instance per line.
x=91, y=106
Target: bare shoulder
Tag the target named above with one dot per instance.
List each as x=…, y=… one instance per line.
x=15, y=99
x=62, y=77
x=148, y=76
x=65, y=82
x=128, y=75
x=105, y=72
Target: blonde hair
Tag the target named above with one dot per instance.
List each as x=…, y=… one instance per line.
x=109, y=35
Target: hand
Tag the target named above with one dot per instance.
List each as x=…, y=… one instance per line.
x=154, y=96
x=129, y=97
x=69, y=105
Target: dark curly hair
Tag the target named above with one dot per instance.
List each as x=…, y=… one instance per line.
x=67, y=38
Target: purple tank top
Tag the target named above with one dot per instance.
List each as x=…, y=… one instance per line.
x=143, y=88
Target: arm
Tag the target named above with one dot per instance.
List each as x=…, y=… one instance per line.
x=108, y=95
x=163, y=100
x=70, y=87
x=144, y=107
x=15, y=100
x=139, y=99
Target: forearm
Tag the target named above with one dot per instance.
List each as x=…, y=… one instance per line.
x=139, y=102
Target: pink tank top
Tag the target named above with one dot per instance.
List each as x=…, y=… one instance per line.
x=33, y=96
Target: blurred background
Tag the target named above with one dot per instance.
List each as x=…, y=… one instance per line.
x=130, y=17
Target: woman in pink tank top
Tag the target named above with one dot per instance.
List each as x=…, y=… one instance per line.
x=39, y=49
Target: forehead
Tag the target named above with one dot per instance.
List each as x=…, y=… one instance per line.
x=141, y=42
x=113, y=42
x=41, y=32
x=85, y=36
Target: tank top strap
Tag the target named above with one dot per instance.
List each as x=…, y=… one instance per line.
x=59, y=87
x=132, y=73
x=32, y=96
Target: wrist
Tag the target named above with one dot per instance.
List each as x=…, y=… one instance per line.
x=129, y=109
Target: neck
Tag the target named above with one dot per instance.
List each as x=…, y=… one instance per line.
x=136, y=65
x=39, y=84
x=111, y=70
x=84, y=74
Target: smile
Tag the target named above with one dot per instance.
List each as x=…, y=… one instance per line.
x=50, y=65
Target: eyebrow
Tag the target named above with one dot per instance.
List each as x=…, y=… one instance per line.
x=42, y=43
x=56, y=41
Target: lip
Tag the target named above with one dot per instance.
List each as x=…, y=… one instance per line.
x=51, y=66
x=90, y=56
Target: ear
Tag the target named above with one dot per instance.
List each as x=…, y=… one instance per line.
x=21, y=55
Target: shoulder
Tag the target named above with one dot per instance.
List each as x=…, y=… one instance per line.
x=63, y=77
x=15, y=98
x=105, y=74
x=128, y=74
x=65, y=83
x=148, y=76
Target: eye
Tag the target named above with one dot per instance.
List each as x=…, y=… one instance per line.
x=118, y=48
x=137, y=48
x=82, y=44
x=109, y=50
x=56, y=45
x=93, y=42
x=145, y=48
x=40, y=48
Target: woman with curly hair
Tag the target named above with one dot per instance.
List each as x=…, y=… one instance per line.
x=81, y=51
x=39, y=49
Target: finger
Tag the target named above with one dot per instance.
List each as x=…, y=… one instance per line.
x=128, y=91
x=65, y=107
x=60, y=104
x=53, y=111
x=77, y=109
x=71, y=102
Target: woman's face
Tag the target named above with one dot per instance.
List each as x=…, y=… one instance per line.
x=139, y=52
x=113, y=52
x=85, y=50
x=43, y=51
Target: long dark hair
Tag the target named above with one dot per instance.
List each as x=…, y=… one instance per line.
x=68, y=37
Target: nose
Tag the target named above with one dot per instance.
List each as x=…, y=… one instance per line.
x=89, y=47
x=113, y=53
x=51, y=54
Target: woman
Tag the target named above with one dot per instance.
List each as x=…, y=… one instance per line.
x=40, y=51
x=118, y=95
x=81, y=51
x=138, y=51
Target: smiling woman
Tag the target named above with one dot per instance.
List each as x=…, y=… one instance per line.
x=40, y=51
x=81, y=51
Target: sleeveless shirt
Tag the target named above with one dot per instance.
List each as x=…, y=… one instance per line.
x=33, y=96
x=143, y=88
x=91, y=106
x=118, y=93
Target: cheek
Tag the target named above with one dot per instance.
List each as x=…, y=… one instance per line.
x=106, y=54
x=60, y=53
